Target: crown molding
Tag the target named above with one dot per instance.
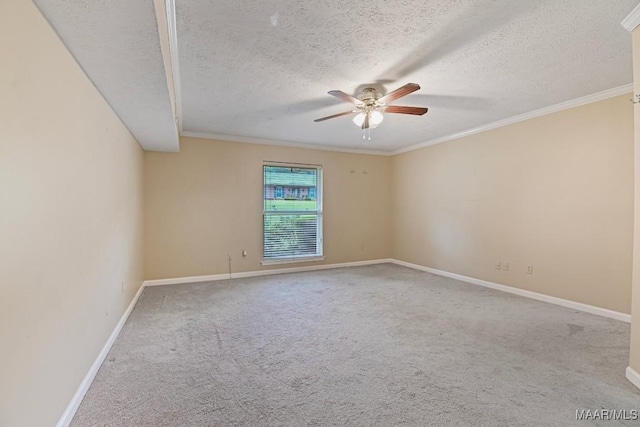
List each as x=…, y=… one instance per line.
x=632, y=20
x=250, y=140
x=572, y=103
x=588, y=99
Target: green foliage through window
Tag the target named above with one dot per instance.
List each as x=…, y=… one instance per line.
x=292, y=212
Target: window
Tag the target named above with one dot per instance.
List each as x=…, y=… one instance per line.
x=292, y=221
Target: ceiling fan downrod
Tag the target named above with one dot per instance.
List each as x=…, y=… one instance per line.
x=370, y=105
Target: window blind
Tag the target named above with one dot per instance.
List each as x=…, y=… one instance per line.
x=292, y=211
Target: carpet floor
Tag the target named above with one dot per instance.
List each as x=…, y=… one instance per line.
x=380, y=345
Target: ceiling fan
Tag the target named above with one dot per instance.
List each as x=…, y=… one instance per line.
x=370, y=105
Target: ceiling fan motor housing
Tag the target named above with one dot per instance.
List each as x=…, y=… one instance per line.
x=370, y=104
x=369, y=95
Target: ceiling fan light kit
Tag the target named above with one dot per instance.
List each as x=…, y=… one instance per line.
x=370, y=105
x=375, y=118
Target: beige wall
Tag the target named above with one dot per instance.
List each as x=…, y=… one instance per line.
x=70, y=220
x=206, y=202
x=555, y=192
x=635, y=310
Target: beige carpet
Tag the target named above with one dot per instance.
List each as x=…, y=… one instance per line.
x=368, y=346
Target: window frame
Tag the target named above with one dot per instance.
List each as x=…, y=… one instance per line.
x=319, y=255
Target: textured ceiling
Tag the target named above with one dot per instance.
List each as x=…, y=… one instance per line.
x=261, y=70
x=117, y=44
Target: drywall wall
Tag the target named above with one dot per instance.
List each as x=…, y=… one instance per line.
x=71, y=220
x=554, y=192
x=206, y=202
x=634, y=357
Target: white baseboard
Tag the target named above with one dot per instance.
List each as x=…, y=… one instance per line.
x=72, y=407
x=226, y=276
x=189, y=279
x=523, y=293
x=633, y=376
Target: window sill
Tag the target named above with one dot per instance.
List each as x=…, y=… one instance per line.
x=291, y=260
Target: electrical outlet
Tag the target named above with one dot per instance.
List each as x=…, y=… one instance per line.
x=497, y=264
x=529, y=269
x=505, y=265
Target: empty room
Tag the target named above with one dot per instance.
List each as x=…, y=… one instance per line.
x=330, y=213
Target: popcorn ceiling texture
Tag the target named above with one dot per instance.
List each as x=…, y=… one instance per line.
x=378, y=346
x=477, y=62
x=261, y=70
x=117, y=44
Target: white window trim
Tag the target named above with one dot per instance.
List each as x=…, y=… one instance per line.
x=291, y=260
x=319, y=255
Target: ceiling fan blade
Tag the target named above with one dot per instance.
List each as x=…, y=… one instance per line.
x=418, y=111
x=399, y=93
x=365, y=124
x=333, y=116
x=345, y=97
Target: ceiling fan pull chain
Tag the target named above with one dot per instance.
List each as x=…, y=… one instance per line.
x=370, y=105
